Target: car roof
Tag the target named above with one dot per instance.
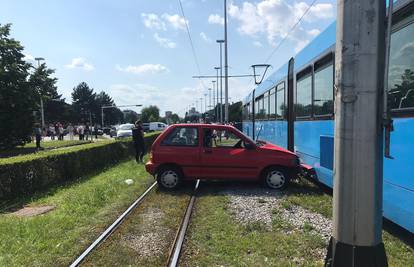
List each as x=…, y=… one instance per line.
x=203, y=125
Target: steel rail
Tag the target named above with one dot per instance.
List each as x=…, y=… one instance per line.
x=112, y=227
x=174, y=254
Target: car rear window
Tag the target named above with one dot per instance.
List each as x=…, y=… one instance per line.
x=182, y=136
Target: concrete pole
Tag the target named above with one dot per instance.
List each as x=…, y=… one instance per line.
x=42, y=112
x=359, y=77
x=226, y=67
x=209, y=96
x=205, y=103
x=102, y=116
x=214, y=104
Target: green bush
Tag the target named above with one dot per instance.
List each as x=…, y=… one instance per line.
x=22, y=176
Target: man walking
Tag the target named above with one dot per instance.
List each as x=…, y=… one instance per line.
x=38, y=135
x=138, y=137
x=70, y=129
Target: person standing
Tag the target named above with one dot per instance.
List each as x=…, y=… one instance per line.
x=61, y=132
x=80, y=131
x=87, y=131
x=70, y=129
x=139, y=144
x=52, y=132
x=38, y=136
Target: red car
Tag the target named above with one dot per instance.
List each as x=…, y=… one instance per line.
x=218, y=152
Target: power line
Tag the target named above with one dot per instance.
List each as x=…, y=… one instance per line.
x=289, y=32
x=191, y=42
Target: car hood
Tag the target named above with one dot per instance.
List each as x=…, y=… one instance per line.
x=124, y=131
x=271, y=147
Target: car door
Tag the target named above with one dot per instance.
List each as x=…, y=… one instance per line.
x=181, y=146
x=223, y=155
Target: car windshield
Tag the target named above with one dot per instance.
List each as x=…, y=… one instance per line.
x=126, y=127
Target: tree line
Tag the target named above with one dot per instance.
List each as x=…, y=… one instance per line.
x=24, y=86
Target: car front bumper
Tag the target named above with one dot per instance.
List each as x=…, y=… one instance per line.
x=150, y=168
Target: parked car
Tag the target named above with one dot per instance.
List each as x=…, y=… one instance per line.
x=146, y=126
x=218, y=152
x=124, y=130
x=113, y=130
x=157, y=126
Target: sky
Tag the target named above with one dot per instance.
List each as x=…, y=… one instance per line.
x=138, y=51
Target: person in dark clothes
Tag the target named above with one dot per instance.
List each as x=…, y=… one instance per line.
x=38, y=136
x=138, y=137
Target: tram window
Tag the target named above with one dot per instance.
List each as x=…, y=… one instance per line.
x=304, y=96
x=401, y=68
x=280, y=101
x=323, y=95
x=256, y=108
x=260, y=111
x=266, y=105
x=248, y=111
x=272, y=103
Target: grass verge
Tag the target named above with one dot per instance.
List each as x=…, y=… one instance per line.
x=145, y=238
x=83, y=209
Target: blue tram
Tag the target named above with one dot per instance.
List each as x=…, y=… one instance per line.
x=294, y=108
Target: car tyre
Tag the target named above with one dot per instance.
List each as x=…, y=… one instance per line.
x=276, y=178
x=169, y=177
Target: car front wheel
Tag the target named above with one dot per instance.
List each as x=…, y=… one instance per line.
x=276, y=178
x=169, y=177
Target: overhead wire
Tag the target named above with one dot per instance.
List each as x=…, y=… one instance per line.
x=191, y=43
x=289, y=32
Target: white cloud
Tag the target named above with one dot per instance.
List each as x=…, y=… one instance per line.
x=164, y=42
x=143, y=69
x=205, y=37
x=152, y=21
x=176, y=21
x=257, y=44
x=28, y=57
x=80, y=63
x=215, y=19
x=276, y=17
x=314, y=32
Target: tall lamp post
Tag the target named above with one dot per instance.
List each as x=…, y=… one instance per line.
x=38, y=59
x=205, y=103
x=221, y=79
x=226, y=67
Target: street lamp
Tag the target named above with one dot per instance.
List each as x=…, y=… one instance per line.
x=221, y=78
x=38, y=59
x=256, y=68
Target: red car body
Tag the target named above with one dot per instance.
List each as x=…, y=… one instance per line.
x=245, y=161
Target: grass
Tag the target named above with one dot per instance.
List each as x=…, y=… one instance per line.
x=215, y=239
x=31, y=147
x=311, y=197
x=83, y=210
x=145, y=238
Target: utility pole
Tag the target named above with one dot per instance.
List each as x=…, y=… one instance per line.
x=42, y=112
x=201, y=105
x=226, y=67
x=359, y=81
x=221, y=79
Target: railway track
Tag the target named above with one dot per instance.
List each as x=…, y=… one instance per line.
x=112, y=227
x=175, y=251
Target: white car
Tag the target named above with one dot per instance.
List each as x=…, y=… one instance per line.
x=124, y=130
x=157, y=126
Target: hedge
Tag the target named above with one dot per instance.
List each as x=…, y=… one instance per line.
x=23, y=176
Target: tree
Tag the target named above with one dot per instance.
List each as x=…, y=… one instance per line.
x=150, y=114
x=111, y=115
x=130, y=116
x=45, y=87
x=235, y=112
x=175, y=118
x=17, y=97
x=84, y=103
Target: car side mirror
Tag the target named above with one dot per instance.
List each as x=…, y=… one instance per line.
x=248, y=146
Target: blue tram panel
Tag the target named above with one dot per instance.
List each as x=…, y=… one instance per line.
x=314, y=137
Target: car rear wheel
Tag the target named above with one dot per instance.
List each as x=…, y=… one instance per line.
x=276, y=178
x=169, y=177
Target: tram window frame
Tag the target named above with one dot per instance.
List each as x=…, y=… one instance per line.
x=320, y=65
x=266, y=105
x=281, y=86
x=272, y=94
x=401, y=20
x=302, y=75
